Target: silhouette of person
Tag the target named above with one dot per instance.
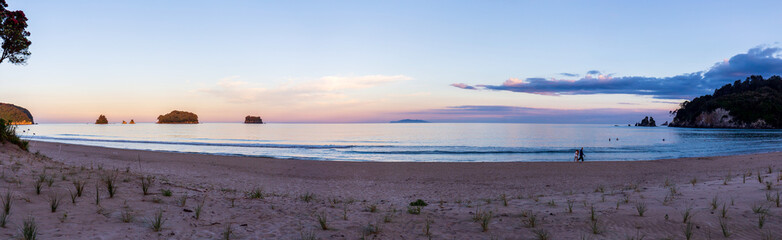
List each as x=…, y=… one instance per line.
x=581, y=154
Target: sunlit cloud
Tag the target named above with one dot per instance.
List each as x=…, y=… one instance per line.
x=757, y=61
x=325, y=88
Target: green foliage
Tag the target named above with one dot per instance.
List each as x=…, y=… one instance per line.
x=13, y=32
x=178, y=117
x=419, y=203
x=8, y=134
x=748, y=101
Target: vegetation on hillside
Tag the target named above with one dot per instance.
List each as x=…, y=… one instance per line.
x=178, y=117
x=102, y=120
x=749, y=101
x=8, y=134
x=15, y=114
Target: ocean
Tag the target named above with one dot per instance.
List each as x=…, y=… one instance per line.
x=416, y=142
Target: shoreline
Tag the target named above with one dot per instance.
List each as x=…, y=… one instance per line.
x=378, y=194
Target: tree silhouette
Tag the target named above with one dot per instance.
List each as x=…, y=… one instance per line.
x=13, y=25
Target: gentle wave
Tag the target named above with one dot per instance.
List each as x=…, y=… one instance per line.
x=258, y=145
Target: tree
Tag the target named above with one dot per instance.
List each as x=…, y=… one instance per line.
x=13, y=25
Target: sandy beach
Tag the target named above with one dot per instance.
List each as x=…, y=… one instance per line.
x=264, y=198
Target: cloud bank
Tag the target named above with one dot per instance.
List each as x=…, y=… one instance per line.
x=764, y=61
x=322, y=89
x=513, y=114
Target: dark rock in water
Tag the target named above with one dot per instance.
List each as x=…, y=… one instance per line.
x=410, y=121
x=180, y=117
x=646, y=122
x=102, y=120
x=753, y=103
x=665, y=123
x=253, y=119
x=16, y=115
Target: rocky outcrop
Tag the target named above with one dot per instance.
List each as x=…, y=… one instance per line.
x=132, y=122
x=719, y=118
x=15, y=115
x=102, y=120
x=410, y=121
x=123, y=122
x=646, y=122
x=179, y=117
x=253, y=119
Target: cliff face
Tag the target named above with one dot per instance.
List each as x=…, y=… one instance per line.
x=253, y=119
x=16, y=115
x=752, y=103
x=719, y=118
x=181, y=117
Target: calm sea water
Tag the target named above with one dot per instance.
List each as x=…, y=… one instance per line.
x=435, y=142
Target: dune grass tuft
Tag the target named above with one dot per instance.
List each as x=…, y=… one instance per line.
x=228, y=233
x=687, y=215
x=724, y=227
x=640, y=207
x=484, y=219
x=29, y=229
x=541, y=234
x=146, y=181
x=166, y=192
x=688, y=230
x=323, y=221
x=199, y=208
x=307, y=197
x=79, y=185
x=256, y=193
x=157, y=221
x=54, y=202
x=7, y=200
x=127, y=216
x=110, y=180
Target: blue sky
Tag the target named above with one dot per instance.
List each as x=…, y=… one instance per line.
x=362, y=61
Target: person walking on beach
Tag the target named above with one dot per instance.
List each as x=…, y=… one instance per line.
x=580, y=154
x=575, y=158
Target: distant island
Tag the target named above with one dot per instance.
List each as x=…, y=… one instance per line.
x=180, y=117
x=16, y=115
x=132, y=122
x=253, y=119
x=753, y=103
x=102, y=120
x=646, y=122
x=410, y=121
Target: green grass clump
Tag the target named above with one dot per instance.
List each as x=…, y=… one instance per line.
x=421, y=203
x=111, y=184
x=79, y=185
x=166, y=192
x=29, y=229
x=146, y=181
x=157, y=221
x=127, y=216
x=8, y=134
x=640, y=207
x=323, y=221
x=54, y=202
x=256, y=193
x=307, y=197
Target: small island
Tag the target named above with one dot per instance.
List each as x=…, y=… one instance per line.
x=178, y=117
x=253, y=119
x=753, y=103
x=15, y=115
x=132, y=122
x=102, y=120
x=410, y=121
x=647, y=122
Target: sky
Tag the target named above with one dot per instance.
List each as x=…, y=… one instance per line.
x=377, y=61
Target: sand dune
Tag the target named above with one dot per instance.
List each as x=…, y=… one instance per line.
x=371, y=200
